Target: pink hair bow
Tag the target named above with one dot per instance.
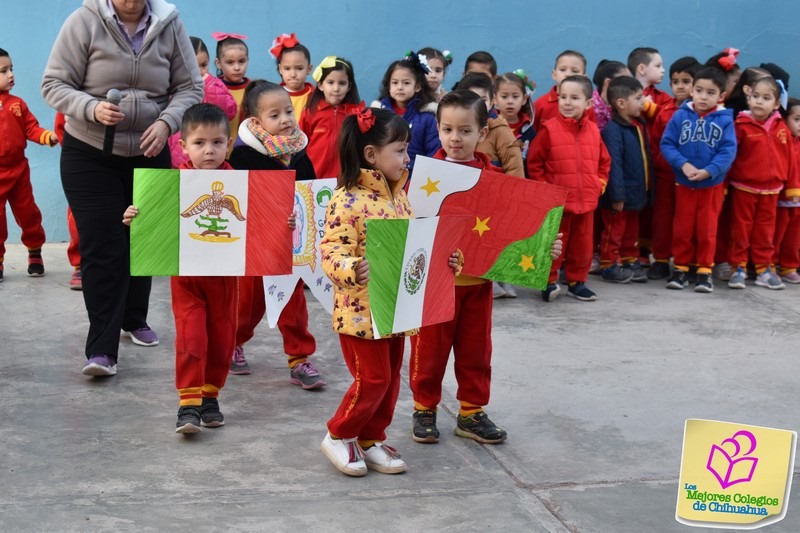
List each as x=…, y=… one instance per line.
x=220, y=36
x=282, y=41
x=728, y=62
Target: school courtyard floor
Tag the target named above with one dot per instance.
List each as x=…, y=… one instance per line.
x=593, y=396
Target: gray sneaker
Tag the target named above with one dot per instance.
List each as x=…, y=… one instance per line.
x=511, y=292
x=639, y=275
x=497, y=290
x=617, y=274
x=723, y=271
x=770, y=280
x=306, y=375
x=737, y=279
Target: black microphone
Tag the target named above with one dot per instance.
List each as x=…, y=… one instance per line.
x=113, y=97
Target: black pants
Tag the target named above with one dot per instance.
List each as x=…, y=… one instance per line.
x=98, y=190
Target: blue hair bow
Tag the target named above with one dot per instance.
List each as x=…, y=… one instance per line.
x=784, y=94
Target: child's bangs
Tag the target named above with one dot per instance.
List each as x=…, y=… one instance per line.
x=397, y=130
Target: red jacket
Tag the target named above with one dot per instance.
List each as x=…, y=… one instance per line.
x=571, y=154
x=660, y=165
x=765, y=160
x=481, y=161
x=546, y=107
x=17, y=127
x=322, y=127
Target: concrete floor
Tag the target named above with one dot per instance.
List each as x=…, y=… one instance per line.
x=593, y=396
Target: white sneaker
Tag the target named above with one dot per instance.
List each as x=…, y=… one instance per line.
x=497, y=290
x=384, y=459
x=345, y=454
x=511, y=292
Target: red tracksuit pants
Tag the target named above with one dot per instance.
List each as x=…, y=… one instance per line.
x=663, y=215
x=73, y=251
x=752, y=228
x=469, y=335
x=16, y=189
x=368, y=405
x=694, y=228
x=620, y=233
x=787, y=239
x=577, y=238
x=205, y=330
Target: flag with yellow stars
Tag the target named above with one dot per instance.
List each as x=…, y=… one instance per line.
x=514, y=221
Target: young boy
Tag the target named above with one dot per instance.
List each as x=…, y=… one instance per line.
x=699, y=143
x=568, y=151
x=629, y=183
x=568, y=63
x=481, y=62
x=19, y=126
x=647, y=66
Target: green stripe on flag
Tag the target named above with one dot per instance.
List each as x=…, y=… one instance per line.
x=386, y=243
x=155, y=232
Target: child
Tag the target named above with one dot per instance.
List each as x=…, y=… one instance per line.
x=294, y=65
x=231, y=63
x=405, y=91
x=214, y=92
x=629, y=183
x=568, y=63
x=438, y=63
x=726, y=60
x=647, y=66
x=787, y=226
x=737, y=99
x=271, y=140
x=335, y=97
x=512, y=99
x=19, y=126
x=605, y=72
x=482, y=62
x=568, y=151
x=764, y=165
x=681, y=76
x=372, y=149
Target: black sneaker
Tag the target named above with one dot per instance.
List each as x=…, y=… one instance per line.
x=581, y=292
x=551, y=293
x=658, y=270
x=639, y=275
x=678, y=280
x=188, y=420
x=704, y=283
x=424, y=429
x=210, y=415
x=478, y=427
x=616, y=274
x=35, y=266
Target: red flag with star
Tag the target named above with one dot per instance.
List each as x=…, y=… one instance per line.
x=515, y=220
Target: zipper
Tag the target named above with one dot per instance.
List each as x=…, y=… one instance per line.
x=579, y=166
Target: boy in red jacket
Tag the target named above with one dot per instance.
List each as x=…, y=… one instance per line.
x=568, y=151
x=19, y=126
x=568, y=63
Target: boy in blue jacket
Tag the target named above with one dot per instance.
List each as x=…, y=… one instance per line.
x=700, y=146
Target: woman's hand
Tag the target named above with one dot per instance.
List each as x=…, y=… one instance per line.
x=107, y=114
x=362, y=272
x=154, y=138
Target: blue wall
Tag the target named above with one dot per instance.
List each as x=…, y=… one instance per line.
x=519, y=33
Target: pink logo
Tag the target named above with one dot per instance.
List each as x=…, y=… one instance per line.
x=727, y=462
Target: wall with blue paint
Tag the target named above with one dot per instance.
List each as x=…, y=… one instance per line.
x=519, y=33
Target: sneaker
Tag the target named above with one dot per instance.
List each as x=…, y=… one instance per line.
x=551, y=292
x=210, y=415
x=35, y=266
x=658, y=270
x=239, y=366
x=770, y=280
x=692, y=276
x=76, y=281
x=511, y=292
x=562, y=276
x=595, y=266
x=581, y=292
x=497, y=290
x=100, y=365
x=188, y=420
x=723, y=271
x=306, y=375
x=639, y=275
x=143, y=336
x=736, y=281
x=616, y=274
x=792, y=277
x=479, y=427
x=345, y=454
x=704, y=283
x=424, y=428
x=384, y=459
x=678, y=280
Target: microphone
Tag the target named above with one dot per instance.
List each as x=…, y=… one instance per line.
x=113, y=97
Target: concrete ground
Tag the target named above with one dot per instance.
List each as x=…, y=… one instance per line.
x=593, y=396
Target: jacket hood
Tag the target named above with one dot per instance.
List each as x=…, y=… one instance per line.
x=161, y=11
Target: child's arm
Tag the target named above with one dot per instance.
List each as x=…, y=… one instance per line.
x=670, y=150
x=34, y=132
x=129, y=214
x=339, y=245
x=218, y=94
x=604, y=167
x=509, y=151
x=726, y=153
x=537, y=155
x=792, y=187
x=615, y=190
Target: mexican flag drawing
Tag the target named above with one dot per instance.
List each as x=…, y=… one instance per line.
x=211, y=222
x=410, y=282
x=514, y=221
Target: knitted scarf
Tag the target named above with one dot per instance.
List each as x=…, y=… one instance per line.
x=280, y=147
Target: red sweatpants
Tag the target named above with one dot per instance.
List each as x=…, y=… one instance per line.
x=646, y=228
x=469, y=335
x=787, y=239
x=205, y=330
x=620, y=233
x=663, y=215
x=73, y=252
x=368, y=405
x=694, y=228
x=577, y=238
x=723, y=253
x=16, y=189
x=752, y=228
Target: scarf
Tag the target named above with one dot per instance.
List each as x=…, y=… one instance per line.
x=280, y=147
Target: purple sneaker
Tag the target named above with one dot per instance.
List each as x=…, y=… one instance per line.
x=143, y=336
x=306, y=375
x=239, y=366
x=100, y=365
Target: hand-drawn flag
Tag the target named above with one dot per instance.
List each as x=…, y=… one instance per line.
x=211, y=223
x=514, y=221
x=410, y=281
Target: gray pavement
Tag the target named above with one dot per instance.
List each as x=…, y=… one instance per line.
x=593, y=396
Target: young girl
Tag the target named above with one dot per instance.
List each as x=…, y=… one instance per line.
x=512, y=99
x=737, y=98
x=437, y=63
x=606, y=71
x=214, y=92
x=726, y=60
x=335, y=97
x=787, y=227
x=373, y=153
x=404, y=91
x=294, y=65
x=231, y=63
x=271, y=140
x=764, y=165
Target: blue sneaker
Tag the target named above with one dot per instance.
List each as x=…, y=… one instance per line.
x=737, y=279
x=617, y=274
x=143, y=336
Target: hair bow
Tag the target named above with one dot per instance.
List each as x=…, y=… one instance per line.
x=328, y=62
x=418, y=60
x=784, y=94
x=366, y=119
x=448, y=56
x=281, y=42
x=530, y=85
x=220, y=36
x=728, y=61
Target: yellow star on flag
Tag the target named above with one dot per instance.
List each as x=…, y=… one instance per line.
x=527, y=263
x=431, y=186
x=481, y=225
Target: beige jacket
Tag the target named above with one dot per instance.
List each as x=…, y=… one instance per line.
x=502, y=148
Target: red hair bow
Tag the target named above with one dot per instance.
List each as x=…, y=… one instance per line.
x=220, y=36
x=366, y=119
x=281, y=42
x=728, y=62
